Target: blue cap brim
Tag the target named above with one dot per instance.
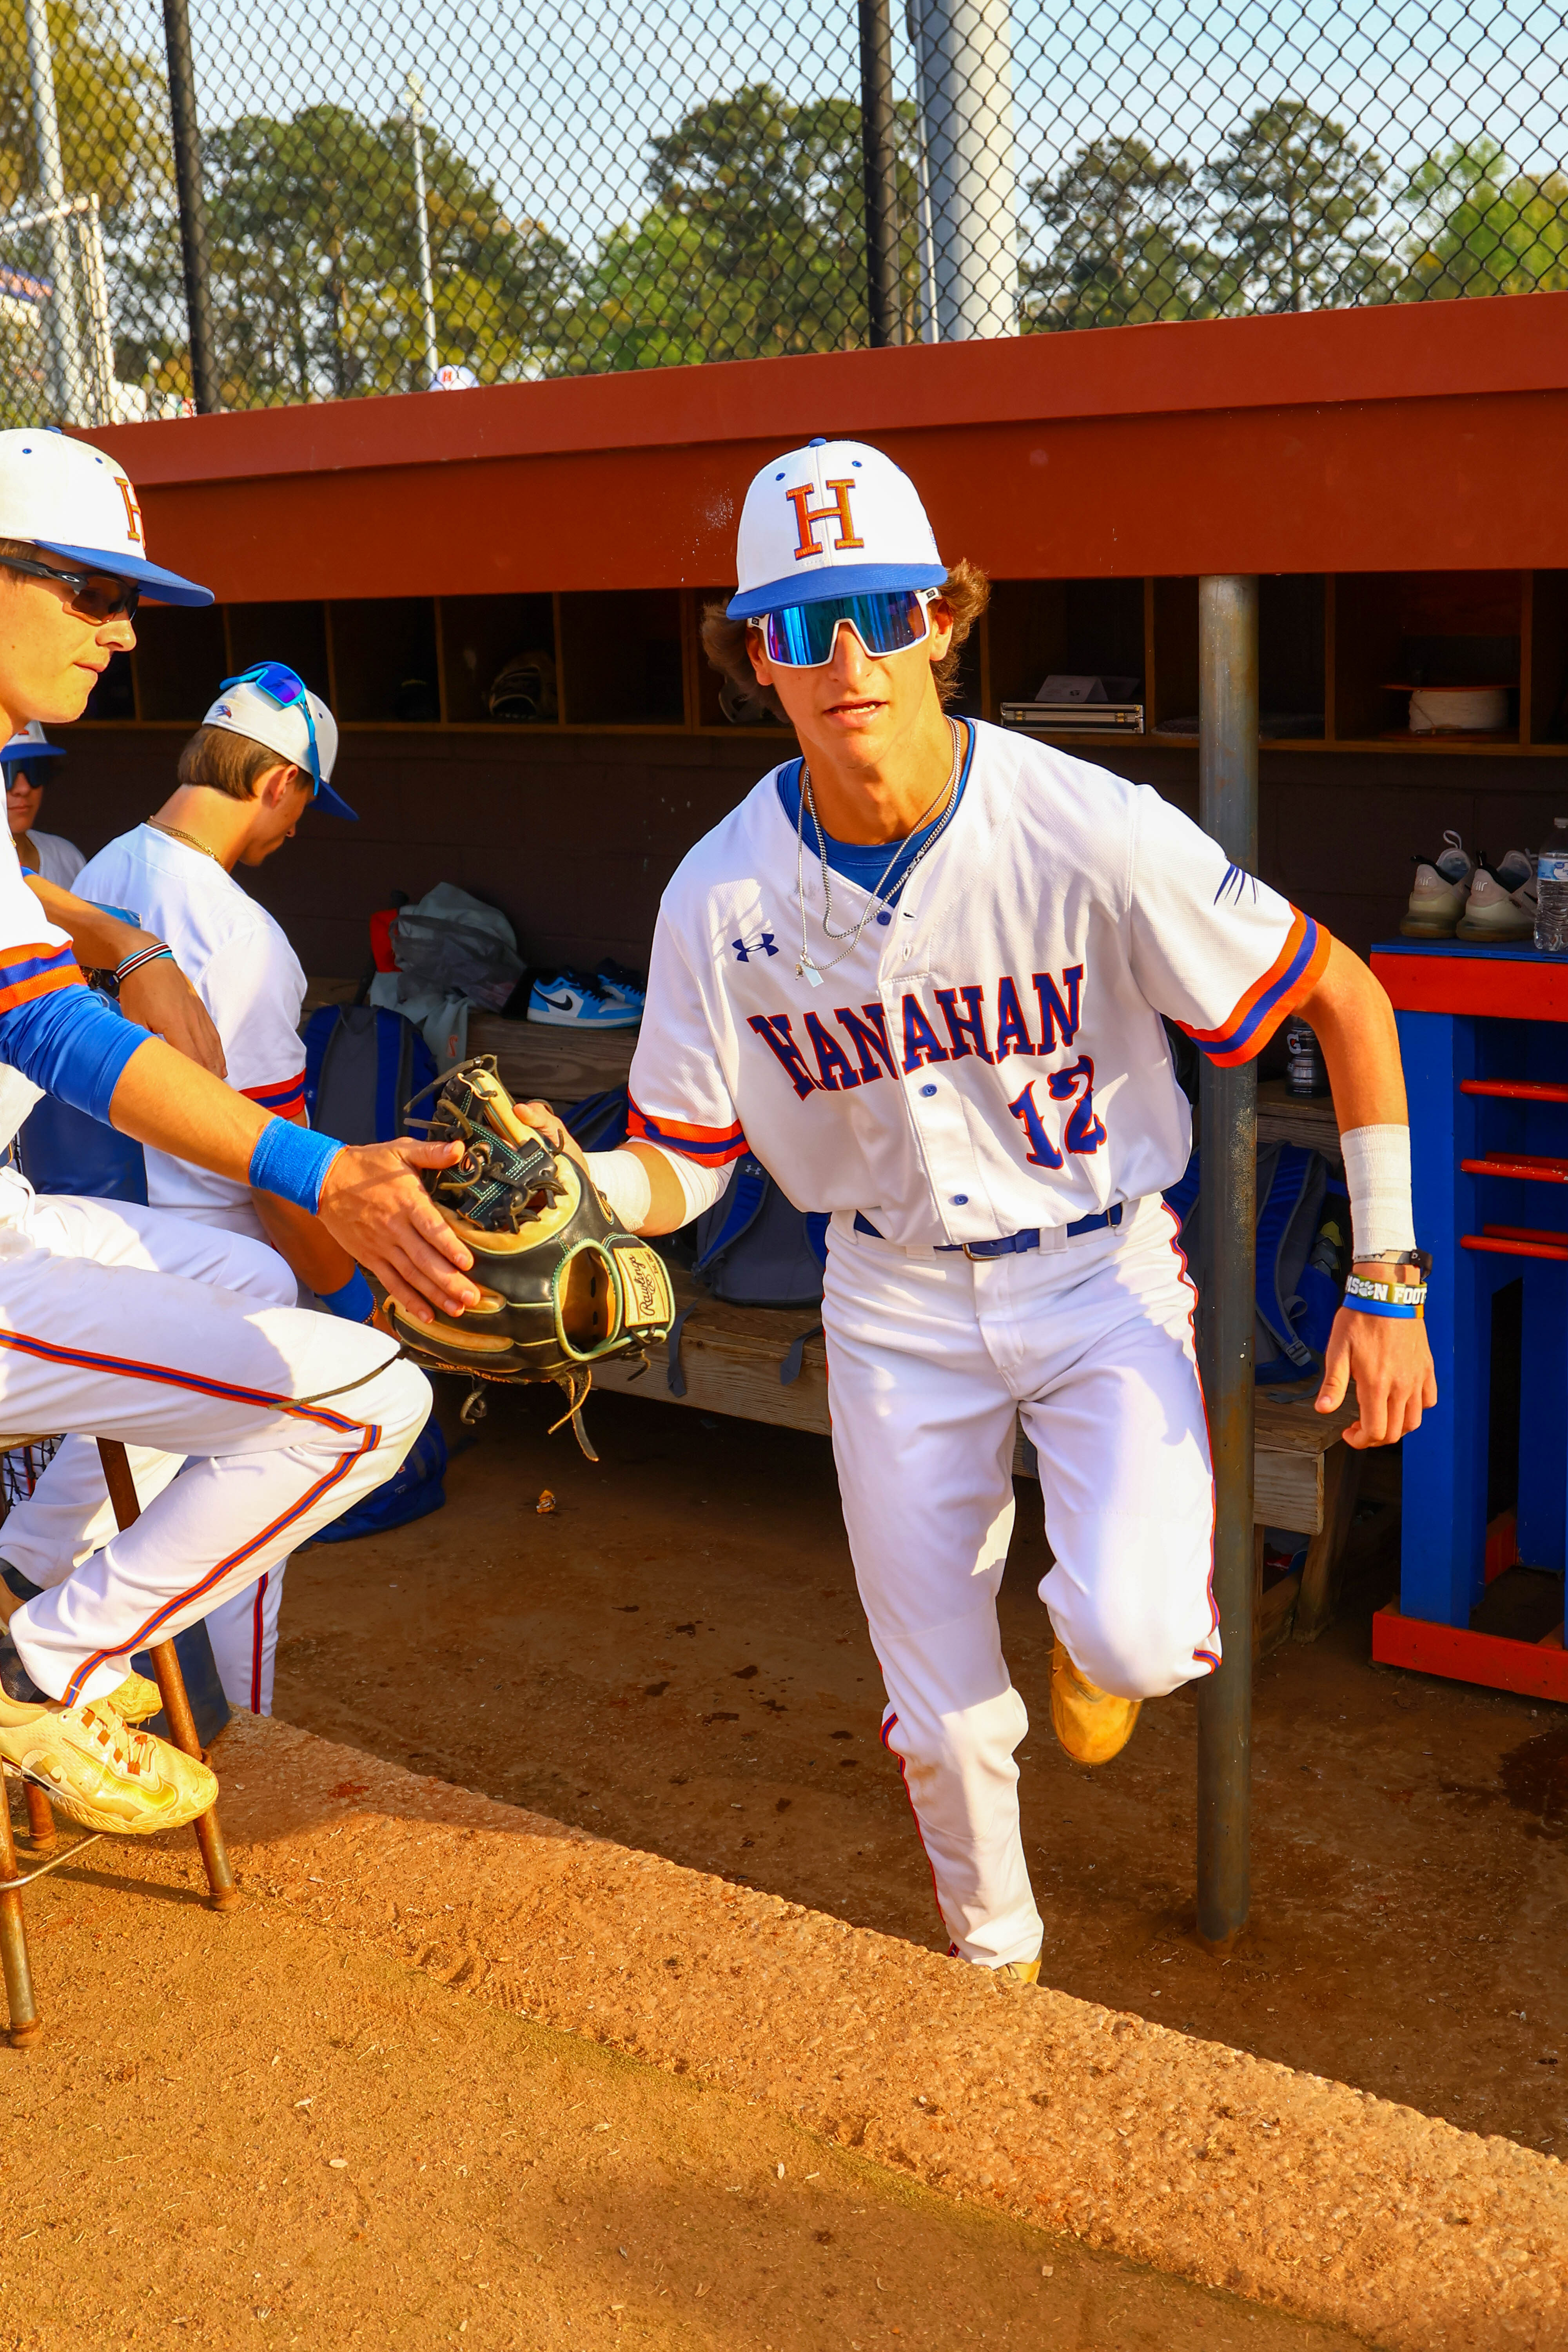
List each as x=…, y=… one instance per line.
x=332, y=804
x=842, y=580
x=159, y=586
x=33, y=751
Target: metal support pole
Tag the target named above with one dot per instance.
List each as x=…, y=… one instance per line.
x=414, y=89
x=880, y=154
x=194, y=245
x=964, y=58
x=1227, y=808
x=68, y=385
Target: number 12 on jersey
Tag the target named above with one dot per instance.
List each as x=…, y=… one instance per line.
x=1084, y=1131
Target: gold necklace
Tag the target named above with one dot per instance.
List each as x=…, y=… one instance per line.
x=188, y=838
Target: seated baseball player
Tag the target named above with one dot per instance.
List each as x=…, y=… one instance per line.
x=920, y=974
x=24, y=761
x=132, y=1323
x=262, y=756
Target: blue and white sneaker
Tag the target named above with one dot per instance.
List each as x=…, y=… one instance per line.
x=573, y=1001
x=620, y=984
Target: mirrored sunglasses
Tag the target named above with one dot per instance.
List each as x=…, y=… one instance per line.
x=802, y=636
x=284, y=687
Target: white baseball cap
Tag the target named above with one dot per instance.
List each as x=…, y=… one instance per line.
x=246, y=707
x=68, y=499
x=31, y=744
x=835, y=519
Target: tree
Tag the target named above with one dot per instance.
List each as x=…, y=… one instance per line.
x=1124, y=251
x=315, y=259
x=753, y=244
x=1477, y=228
x=1297, y=202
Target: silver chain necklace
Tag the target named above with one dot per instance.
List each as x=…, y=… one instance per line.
x=808, y=969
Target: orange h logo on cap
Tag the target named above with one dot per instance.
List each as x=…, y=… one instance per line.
x=132, y=512
x=806, y=542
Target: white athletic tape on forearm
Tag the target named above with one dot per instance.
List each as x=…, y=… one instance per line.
x=701, y=1186
x=1377, y=1177
x=625, y=1183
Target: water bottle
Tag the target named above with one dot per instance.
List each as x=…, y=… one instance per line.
x=1306, y=1073
x=1552, y=892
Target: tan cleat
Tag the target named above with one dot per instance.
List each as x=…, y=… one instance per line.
x=135, y=1701
x=1092, y=1725
x=1019, y=1972
x=95, y=1767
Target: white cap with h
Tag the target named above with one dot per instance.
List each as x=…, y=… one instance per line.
x=835, y=519
x=67, y=499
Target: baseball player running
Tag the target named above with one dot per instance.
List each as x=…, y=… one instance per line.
x=262, y=756
x=920, y=974
x=128, y=1323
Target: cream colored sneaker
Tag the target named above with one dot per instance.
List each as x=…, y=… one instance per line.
x=1496, y=909
x=136, y=1700
x=95, y=1767
x=1439, y=893
x=1092, y=1725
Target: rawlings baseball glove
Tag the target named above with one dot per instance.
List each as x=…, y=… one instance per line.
x=561, y=1288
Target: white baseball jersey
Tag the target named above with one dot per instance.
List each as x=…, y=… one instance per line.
x=988, y=1059
x=36, y=959
x=241, y=965
x=59, y=860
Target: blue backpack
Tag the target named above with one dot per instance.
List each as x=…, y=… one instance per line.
x=1303, y=1243
x=362, y=1063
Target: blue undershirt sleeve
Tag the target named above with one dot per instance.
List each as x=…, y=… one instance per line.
x=72, y=1044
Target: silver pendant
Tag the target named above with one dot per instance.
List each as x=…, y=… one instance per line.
x=805, y=970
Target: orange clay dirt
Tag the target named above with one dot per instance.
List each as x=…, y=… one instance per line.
x=675, y=1658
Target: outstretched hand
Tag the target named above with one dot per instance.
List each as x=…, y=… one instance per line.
x=1390, y=1361
x=374, y=1202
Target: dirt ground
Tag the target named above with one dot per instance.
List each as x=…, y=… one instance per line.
x=253, y=2131
x=675, y=1658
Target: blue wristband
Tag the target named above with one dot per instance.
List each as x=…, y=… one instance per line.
x=292, y=1161
x=354, y=1299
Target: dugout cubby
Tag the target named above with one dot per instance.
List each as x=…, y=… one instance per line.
x=385, y=661
x=479, y=635
x=622, y=658
x=295, y=633
x=181, y=655
x=1080, y=627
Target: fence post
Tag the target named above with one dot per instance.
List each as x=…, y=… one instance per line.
x=879, y=152
x=68, y=385
x=1227, y=808
x=964, y=59
x=193, y=249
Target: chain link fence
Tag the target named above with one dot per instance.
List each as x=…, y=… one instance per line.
x=349, y=200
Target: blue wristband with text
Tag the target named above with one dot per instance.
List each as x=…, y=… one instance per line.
x=292, y=1161
x=354, y=1299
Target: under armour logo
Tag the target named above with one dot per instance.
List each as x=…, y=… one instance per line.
x=763, y=945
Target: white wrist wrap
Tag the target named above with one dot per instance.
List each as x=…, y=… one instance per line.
x=1377, y=1177
x=626, y=1184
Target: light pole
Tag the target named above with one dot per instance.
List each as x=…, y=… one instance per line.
x=67, y=386
x=413, y=91
x=963, y=56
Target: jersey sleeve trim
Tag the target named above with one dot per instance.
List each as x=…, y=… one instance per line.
x=1294, y=973
x=286, y=1097
x=711, y=1146
x=28, y=973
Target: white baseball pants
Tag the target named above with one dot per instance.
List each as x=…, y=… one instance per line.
x=117, y=1321
x=69, y=1516
x=932, y=1356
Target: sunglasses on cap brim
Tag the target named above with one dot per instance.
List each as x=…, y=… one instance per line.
x=890, y=621
x=284, y=687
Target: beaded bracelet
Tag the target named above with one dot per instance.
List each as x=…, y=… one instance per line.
x=135, y=962
x=1405, y=1300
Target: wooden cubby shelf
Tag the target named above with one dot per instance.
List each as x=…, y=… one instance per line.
x=1336, y=654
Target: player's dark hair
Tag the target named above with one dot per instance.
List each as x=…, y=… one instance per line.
x=228, y=763
x=966, y=591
